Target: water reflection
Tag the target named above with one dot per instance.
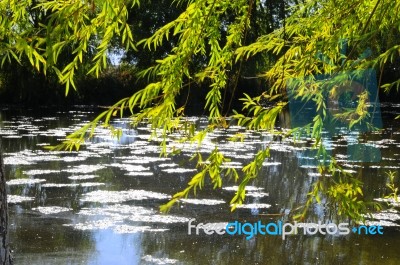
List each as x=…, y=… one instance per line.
x=100, y=205
x=112, y=248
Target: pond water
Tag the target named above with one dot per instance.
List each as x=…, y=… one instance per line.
x=100, y=205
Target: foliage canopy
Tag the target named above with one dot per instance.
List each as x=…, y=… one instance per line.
x=211, y=43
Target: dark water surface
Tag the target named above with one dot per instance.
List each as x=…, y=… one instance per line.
x=100, y=205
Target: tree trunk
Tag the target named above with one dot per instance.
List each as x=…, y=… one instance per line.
x=5, y=255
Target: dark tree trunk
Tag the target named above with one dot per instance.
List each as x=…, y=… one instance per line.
x=5, y=255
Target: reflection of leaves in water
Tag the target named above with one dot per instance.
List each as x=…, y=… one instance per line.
x=82, y=169
x=115, y=216
x=83, y=177
x=388, y=217
x=18, y=199
x=152, y=260
x=64, y=185
x=19, y=174
x=24, y=181
x=178, y=170
x=40, y=172
x=51, y=209
x=254, y=206
x=104, y=196
x=127, y=229
x=202, y=201
x=93, y=225
x=248, y=188
x=257, y=194
x=11, y=160
x=107, y=175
